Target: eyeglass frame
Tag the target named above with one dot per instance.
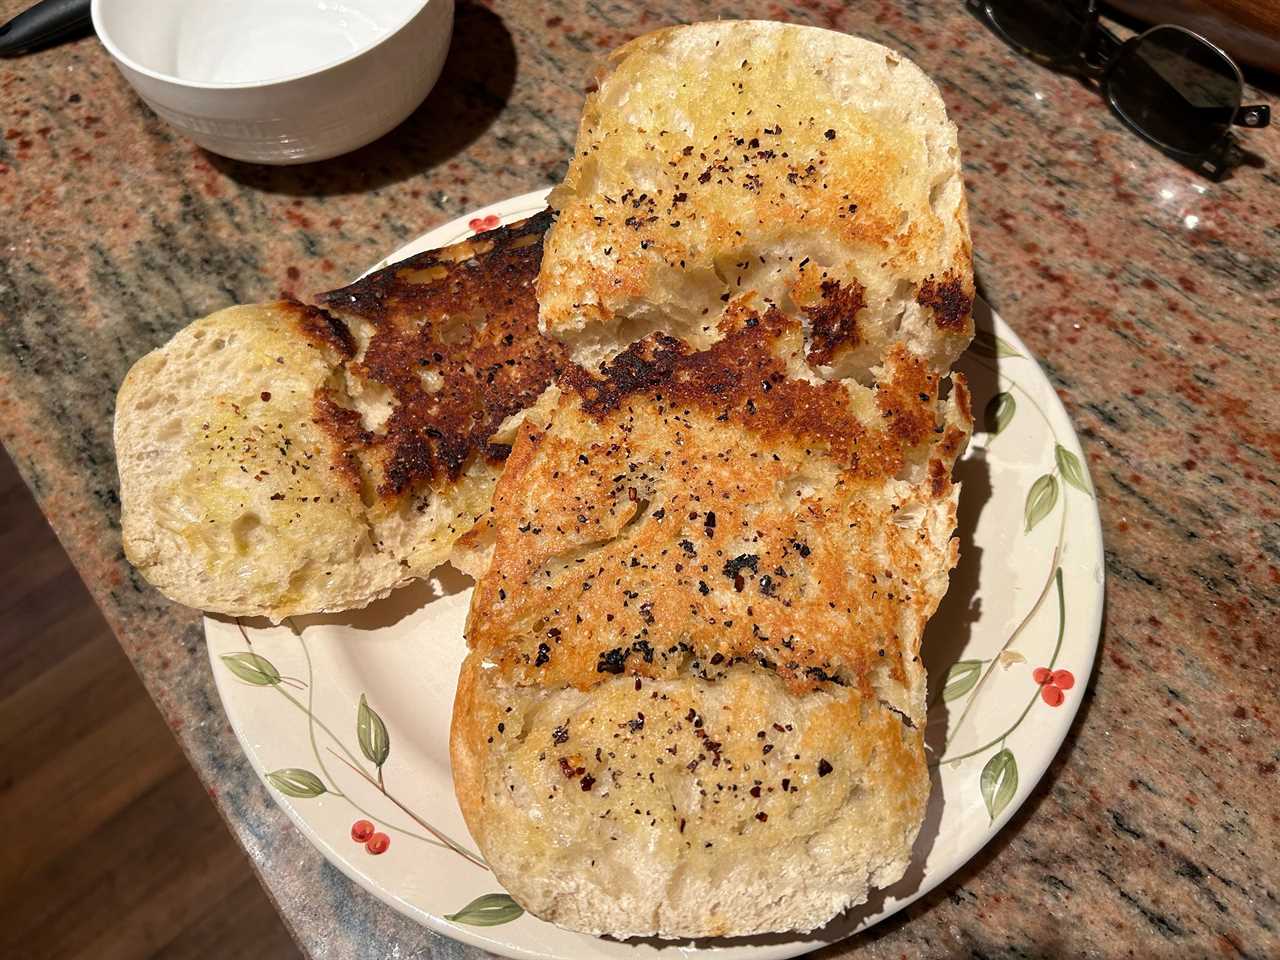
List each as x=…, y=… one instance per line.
x=1095, y=56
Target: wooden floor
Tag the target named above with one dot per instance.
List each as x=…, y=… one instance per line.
x=109, y=845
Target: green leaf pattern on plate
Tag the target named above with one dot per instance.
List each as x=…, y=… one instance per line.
x=252, y=668
x=487, y=911
x=296, y=782
x=1070, y=468
x=999, y=412
x=961, y=678
x=989, y=345
x=375, y=743
x=1041, y=499
x=999, y=782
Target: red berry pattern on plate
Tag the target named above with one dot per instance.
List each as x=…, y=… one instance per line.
x=481, y=224
x=361, y=831
x=378, y=843
x=1053, y=684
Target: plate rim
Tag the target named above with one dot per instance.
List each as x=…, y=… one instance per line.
x=516, y=208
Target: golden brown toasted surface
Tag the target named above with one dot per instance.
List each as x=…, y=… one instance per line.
x=698, y=509
x=694, y=701
x=686, y=808
x=814, y=169
x=449, y=339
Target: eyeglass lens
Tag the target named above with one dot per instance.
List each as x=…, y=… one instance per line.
x=1051, y=28
x=1176, y=88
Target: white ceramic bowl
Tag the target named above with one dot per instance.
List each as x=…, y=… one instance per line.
x=278, y=81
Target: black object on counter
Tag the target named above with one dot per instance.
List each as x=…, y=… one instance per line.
x=48, y=23
x=1169, y=84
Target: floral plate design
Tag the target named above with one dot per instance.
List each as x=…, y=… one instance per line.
x=346, y=717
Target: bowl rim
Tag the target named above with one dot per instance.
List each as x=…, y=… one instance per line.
x=123, y=59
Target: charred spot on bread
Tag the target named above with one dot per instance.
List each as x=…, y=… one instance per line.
x=834, y=320
x=741, y=380
x=948, y=300
x=452, y=339
x=321, y=328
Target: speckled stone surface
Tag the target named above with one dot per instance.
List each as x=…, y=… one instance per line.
x=1152, y=297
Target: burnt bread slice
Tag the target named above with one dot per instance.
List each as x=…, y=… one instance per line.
x=281, y=459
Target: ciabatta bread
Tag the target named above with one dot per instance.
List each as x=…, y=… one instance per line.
x=814, y=169
x=281, y=459
x=694, y=701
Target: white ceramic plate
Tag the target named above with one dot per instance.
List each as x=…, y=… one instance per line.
x=1009, y=654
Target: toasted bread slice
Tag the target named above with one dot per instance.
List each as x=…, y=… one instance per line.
x=233, y=497
x=814, y=169
x=694, y=702
x=279, y=459
x=448, y=359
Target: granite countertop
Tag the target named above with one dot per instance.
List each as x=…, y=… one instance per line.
x=1152, y=297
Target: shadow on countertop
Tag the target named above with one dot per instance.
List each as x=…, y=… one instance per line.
x=474, y=86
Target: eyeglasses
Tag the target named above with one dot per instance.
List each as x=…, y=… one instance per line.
x=1171, y=86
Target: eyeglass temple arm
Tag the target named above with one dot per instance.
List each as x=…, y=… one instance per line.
x=1102, y=44
x=1256, y=115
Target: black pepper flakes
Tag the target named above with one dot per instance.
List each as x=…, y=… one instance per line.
x=732, y=568
x=613, y=661
x=823, y=767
